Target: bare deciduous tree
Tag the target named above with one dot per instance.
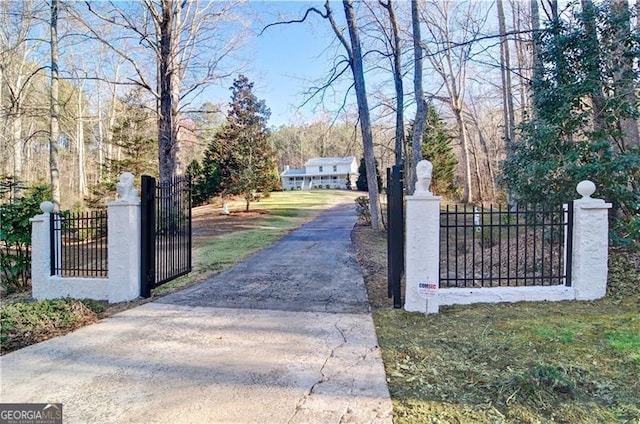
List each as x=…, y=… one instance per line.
x=421, y=103
x=505, y=73
x=354, y=52
x=184, y=40
x=54, y=127
x=353, y=49
x=19, y=73
x=395, y=44
x=449, y=51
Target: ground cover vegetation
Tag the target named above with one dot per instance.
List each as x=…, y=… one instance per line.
x=220, y=241
x=540, y=362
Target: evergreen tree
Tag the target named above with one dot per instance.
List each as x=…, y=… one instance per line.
x=436, y=148
x=362, y=181
x=134, y=135
x=135, y=139
x=576, y=131
x=202, y=186
x=240, y=156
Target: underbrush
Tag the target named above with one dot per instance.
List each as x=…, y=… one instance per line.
x=25, y=323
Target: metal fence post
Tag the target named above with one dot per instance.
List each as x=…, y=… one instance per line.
x=147, y=235
x=395, y=234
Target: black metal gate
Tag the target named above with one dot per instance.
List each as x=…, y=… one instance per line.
x=395, y=234
x=165, y=231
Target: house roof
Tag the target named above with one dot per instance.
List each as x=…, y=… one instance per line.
x=345, y=160
x=292, y=172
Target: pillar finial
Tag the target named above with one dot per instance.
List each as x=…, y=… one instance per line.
x=586, y=188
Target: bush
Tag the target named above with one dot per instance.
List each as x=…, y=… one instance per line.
x=15, y=239
x=362, y=209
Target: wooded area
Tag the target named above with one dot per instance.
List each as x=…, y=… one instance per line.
x=531, y=97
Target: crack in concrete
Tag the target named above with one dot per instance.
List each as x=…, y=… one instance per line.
x=323, y=378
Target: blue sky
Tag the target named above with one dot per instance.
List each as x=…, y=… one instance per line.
x=286, y=59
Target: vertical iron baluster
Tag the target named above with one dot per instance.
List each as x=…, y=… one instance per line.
x=508, y=215
x=499, y=245
x=473, y=247
x=542, y=246
x=456, y=246
x=482, y=246
x=517, y=225
x=491, y=244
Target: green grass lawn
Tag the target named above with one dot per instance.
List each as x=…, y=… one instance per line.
x=539, y=362
x=573, y=362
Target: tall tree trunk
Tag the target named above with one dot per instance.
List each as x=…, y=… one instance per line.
x=421, y=104
x=82, y=176
x=111, y=123
x=54, y=129
x=166, y=136
x=537, y=64
x=625, y=76
x=592, y=49
x=397, y=82
x=100, y=138
x=476, y=167
x=505, y=69
x=467, y=196
x=357, y=69
x=522, y=48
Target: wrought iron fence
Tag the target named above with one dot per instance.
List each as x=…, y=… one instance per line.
x=79, y=244
x=502, y=247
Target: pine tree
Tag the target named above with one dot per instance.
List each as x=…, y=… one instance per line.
x=240, y=156
x=436, y=148
x=135, y=139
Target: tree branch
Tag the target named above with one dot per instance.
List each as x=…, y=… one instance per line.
x=294, y=21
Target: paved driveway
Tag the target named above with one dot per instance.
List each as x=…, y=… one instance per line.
x=311, y=269
x=284, y=337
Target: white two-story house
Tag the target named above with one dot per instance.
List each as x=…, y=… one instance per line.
x=322, y=173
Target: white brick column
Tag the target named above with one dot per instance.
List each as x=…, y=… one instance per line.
x=422, y=253
x=590, y=244
x=41, y=251
x=124, y=250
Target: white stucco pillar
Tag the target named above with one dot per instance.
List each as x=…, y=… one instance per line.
x=422, y=254
x=590, y=244
x=124, y=250
x=41, y=251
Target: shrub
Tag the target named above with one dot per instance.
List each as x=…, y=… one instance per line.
x=15, y=239
x=362, y=209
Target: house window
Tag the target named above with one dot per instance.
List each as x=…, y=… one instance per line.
x=335, y=168
x=335, y=177
x=320, y=168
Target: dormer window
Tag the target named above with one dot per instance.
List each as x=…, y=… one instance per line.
x=320, y=168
